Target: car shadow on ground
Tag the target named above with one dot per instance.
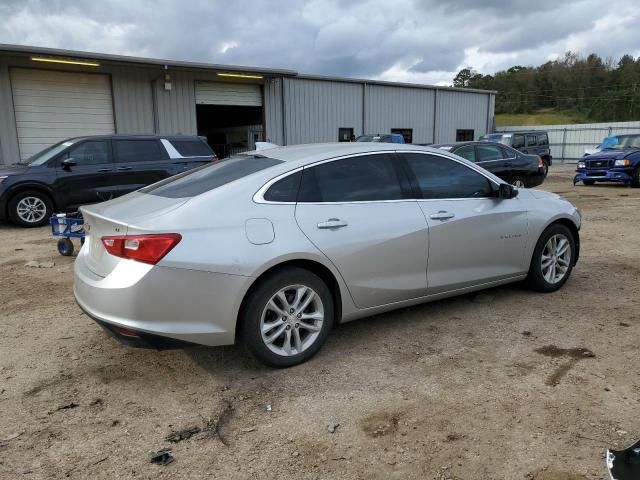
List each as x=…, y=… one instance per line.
x=366, y=334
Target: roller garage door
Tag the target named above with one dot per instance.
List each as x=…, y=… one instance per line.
x=52, y=106
x=218, y=93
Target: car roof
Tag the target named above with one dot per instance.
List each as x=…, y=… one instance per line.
x=124, y=136
x=459, y=144
x=315, y=152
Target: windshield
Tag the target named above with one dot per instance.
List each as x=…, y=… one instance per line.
x=621, y=142
x=47, y=154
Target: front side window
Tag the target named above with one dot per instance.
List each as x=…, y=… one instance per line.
x=439, y=177
x=127, y=151
x=91, y=152
x=357, y=179
x=518, y=141
x=488, y=153
x=467, y=152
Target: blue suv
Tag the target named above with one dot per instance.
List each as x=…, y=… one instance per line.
x=619, y=161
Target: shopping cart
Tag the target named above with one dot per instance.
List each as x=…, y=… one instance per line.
x=67, y=226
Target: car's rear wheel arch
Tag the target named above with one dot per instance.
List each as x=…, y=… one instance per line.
x=310, y=265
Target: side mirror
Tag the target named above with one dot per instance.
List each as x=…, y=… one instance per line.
x=506, y=191
x=68, y=163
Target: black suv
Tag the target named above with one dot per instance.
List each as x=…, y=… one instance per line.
x=530, y=142
x=92, y=169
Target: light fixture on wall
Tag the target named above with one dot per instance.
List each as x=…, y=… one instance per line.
x=84, y=63
x=240, y=75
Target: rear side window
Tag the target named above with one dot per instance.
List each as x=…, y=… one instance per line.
x=356, y=179
x=531, y=140
x=210, y=176
x=192, y=148
x=285, y=189
x=467, y=152
x=127, y=151
x=439, y=177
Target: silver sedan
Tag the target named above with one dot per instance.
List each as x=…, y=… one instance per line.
x=274, y=248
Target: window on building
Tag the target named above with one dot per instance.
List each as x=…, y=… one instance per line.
x=356, y=179
x=407, y=134
x=464, y=135
x=345, y=135
x=137, y=151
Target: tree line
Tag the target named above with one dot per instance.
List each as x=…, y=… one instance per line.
x=603, y=90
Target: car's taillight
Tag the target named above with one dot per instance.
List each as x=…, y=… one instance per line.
x=213, y=158
x=150, y=248
x=540, y=162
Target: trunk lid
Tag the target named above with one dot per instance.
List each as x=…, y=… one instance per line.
x=114, y=218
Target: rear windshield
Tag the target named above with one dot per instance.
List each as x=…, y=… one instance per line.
x=208, y=177
x=192, y=148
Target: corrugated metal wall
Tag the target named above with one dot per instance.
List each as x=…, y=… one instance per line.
x=315, y=109
x=133, y=99
x=457, y=110
x=400, y=107
x=176, y=108
x=274, y=131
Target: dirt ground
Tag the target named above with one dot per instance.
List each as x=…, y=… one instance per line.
x=489, y=386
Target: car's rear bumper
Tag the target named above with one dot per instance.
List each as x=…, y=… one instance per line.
x=535, y=180
x=622, y=175
x=177, y=305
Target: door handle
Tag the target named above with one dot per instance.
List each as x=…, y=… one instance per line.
x=120, y=169
x=333, y=223
x=104, y=170
x=441, y=215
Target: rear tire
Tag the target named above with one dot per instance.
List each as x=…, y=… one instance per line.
x=552, y=259
x=287, y=317
x=30, y=208
x=588, y=183
x=545, y=169
x=635, y=181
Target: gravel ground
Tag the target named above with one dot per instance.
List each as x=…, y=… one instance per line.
x=486, y=386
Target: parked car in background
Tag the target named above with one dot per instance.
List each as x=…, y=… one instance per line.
x=531, y=142
x=384, y=138
x=619, y=161
x=505, y=162
x=92, y=169
x=274, y=249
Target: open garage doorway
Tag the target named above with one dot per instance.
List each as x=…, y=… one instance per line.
x=230, y=116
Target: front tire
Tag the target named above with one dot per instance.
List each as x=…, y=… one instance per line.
x=30, y=208
x=552, y=259
x=635, y=181
x=287, y=318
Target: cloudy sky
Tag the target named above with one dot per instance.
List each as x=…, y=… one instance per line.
x=424, y=41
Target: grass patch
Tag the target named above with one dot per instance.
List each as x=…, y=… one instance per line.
x=546, y=117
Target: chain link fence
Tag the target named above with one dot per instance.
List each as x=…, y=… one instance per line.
x=569, y=142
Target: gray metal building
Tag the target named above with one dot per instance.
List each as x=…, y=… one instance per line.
x=48, y=95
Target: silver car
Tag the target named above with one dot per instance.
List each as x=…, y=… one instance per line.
x=274, y=248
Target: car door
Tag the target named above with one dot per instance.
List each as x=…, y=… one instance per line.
x=358, y=212
x=86, y=175
x=490, y=158
x=474, y=237
x=138, y=162
x=532, y=144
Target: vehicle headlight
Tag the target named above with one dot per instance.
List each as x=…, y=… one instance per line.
x=625, y=162
x=582, y=165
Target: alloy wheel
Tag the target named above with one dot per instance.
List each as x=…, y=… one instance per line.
x=292, y=320
x=556, y=258
x=31, y=209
